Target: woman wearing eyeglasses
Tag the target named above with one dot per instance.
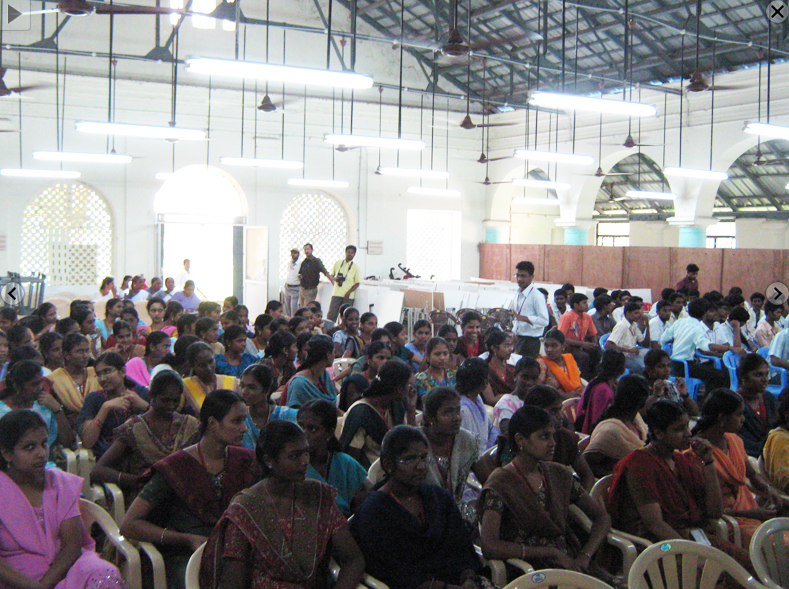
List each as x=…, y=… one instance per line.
x=104, y=410
x=411, y=533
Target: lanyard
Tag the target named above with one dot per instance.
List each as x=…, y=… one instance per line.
x=526, y=294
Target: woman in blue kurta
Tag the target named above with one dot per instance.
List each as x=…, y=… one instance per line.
x=313, y=381
x=328, y=465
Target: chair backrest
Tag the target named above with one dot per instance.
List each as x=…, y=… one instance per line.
x=375, y=473
x=769, y=553
x=669, y=347
x=603, y=339
x=570, y=408
x=193, y=568
x=685, y=565
x=600, y=490
x=558, y=578
x=764, y=353
x=731, y=361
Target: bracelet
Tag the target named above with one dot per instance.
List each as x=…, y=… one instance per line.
x=161, y=539
x=120, y=474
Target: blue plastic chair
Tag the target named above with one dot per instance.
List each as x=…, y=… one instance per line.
x=693, y=384
x=775, y=389
x=731, y=361
x=669, y=347
x=714, y=359
x=603, y=339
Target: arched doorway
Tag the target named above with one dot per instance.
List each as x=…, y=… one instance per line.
x=200, y=215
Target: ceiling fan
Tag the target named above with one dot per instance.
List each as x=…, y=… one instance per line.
x=6, y=91
x=697, y=82
x=772, y=162
x=467, y=123
x=85, y=7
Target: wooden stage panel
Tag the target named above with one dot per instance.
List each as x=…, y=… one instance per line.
x=647, y=267
x=709, y=261
x=534, y=253
x=753, y=270
x=494, y=261
x=602, y=266
x=564, y=263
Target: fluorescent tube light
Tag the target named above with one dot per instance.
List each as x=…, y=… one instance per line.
x=262, y=163
x=98, y=158
x=364, y=141
x=615, y=212
x=148, y=131
x=531, y=200
x=691, y=173
x=421, y=190
x=552, y=156
x=164, y=175
x=767, y=130
x=571, y=102
x=651, y=195
x=643, y=212
x=278, y=73
x=28, y=173
x=413, y=173
x=309, y=183
x=547, y=184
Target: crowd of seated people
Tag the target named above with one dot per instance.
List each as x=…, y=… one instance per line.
x=250, y=437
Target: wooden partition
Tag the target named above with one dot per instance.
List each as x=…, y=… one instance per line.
x=638, y=267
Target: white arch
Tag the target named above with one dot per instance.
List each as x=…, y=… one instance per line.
x=201, y=190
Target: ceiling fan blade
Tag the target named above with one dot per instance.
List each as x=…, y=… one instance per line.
x=37, y=12
x=28, y=88
x=120, y=9
x=10, y=131
x=727, y=88
x=497, y=125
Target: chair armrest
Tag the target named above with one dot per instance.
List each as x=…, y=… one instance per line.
x=626, y=547
x=69, y=457
x=118, y=507
x=157, y=563
x=722, y=525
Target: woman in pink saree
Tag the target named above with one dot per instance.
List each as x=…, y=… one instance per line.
x=42, y=541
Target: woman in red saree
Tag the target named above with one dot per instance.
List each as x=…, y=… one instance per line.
x=280, y=533
x=721, y=419
x=501, y=374
x=189, y=490
x=662, y=494
x=559, y=370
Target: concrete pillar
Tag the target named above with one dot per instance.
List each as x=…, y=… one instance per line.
x=576, y=236
x=496, y=231
x=692, y=237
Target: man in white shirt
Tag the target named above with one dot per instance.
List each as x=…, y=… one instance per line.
x=182, y=277
x=559, y=305
x=619, y=313
x=626, y=336
x=659, y=323
x=690, y=335
x=729, y=331
x=292, y=284
x=677, y=302
x=531, y=312
x=779, y=350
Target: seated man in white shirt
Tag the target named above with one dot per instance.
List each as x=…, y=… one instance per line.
x=664, y=295
x=756, y=313
x=659, y=323
x=689, y=335
x=729, y=331
x=770, y=326
x=626, y=336
x=619, y=312
x=779, y=350
x=559, y=306
x=677, y=302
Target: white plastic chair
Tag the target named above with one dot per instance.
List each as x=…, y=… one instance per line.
x=770, y=554
x=682, y=564
x=157, y=564
x=557, y=578
x=192, y=580
x=334, y=570
x=130, y=567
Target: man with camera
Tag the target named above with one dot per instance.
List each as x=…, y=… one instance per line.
x=346, y=280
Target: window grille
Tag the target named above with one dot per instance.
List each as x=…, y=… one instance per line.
x=314, y=218
x=67, y=235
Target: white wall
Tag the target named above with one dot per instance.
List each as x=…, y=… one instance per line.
x=376, y=205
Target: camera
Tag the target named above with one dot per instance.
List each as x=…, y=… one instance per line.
x=340, y=279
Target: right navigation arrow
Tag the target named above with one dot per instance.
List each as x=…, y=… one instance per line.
x=13, y=14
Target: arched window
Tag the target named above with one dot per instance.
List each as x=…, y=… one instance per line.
x=314, y=218
x=67, y=235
